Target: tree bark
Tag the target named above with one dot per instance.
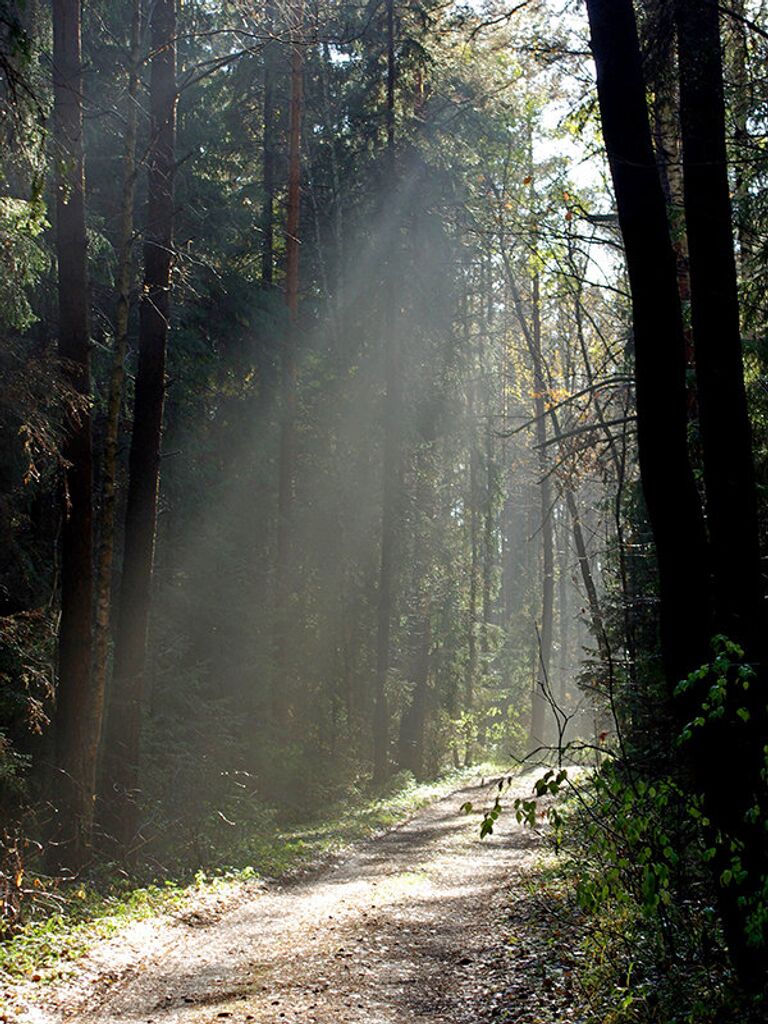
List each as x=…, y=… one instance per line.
x=729, y=479
x=473, y=501
x=122, y=744
x=537, y=735
x=287, y=463
x=414, y=719
x=742, y=105
x=563, y=612
x=392, y=463
x=77, y=713
x=489, y=529
x=726, y=435
x=660, y=359
x=585, y=568
x=688, y=606
x=268, y=152
x=117, y=377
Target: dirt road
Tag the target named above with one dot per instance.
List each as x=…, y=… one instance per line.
x=398, y=930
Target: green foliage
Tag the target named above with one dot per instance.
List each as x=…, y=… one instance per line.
x=527, y=810
x=629, y=829
x=635, y=862
x=22, y=259
x=721, y=680
x=639, y=850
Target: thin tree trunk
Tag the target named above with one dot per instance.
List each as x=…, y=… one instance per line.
x=77, y=713
x=540, y=696
x=532, y=335
x=117, y=378
x=338, y=204
x=563, y=611
x=618, y=458
x=585, y=568
x=489, y=504
x=268, y=151
x=392, y=467
x=472, y=502
x=739, y=62
x=489, y=530
x=122, y=746
x=287, y=464
x=414, y=719
x=666, y=132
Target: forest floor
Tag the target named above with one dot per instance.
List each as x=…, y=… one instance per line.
x=423, y=923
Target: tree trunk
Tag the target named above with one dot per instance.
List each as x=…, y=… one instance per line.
x=340, y=302
x=122, y=746
x=117, y=378
x=687, y=605
x=78, y=720
x=660, y=360
x=543, y=645
x=489, y=530
x=470, y=680
x=287, y=467
x=563, y=612
x=742, y=105
x=726, y=436
x=541, y=690
x=489, y=504
x=413, y=722
x=729, y=480
x=268, y=151
x=392, y=464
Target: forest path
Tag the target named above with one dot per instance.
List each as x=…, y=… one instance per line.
x=400, y=929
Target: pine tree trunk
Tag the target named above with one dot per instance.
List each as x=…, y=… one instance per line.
x=538, y=728
x=117, y=377
x=687, y=605
x=473, y=501
x=726, y=435
x=563, y=611
x=543, y=641
x=414, y=719
x=287, y=464
x=742, y=105
x=660, y=358
x=392, y=463
x=489, y=530
x=122, y=745
x=268, y=151
x=77, y=714
x=729, y=480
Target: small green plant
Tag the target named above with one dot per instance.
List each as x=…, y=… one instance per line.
x=527, y=809
x=720, y=680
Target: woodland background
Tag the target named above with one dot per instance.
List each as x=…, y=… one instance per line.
x=378, y=396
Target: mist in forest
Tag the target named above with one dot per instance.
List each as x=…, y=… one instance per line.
x=382, y=401
x=343, y=300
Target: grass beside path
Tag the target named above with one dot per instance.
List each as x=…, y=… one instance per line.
x=63, y=923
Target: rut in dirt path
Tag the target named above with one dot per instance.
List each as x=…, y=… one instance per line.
x=395, y=932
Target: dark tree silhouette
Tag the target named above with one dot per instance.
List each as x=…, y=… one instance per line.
x=122, y=745
x=78, y=717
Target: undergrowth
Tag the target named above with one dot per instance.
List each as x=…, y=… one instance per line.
x=648, y=871
x=641, y=935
